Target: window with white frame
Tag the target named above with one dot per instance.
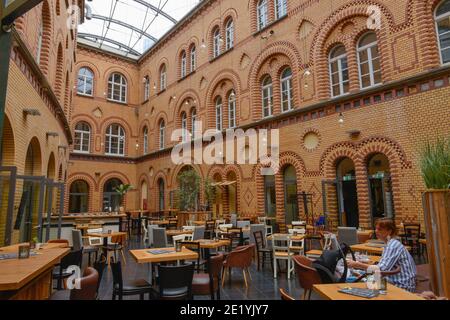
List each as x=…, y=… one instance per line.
x=146, y=88
x=442, y=17
x=216, y=42
x=193, y=119
x=162, y=134
x=183, y=64
x=145, y=140
x=85, y=81
x=229, y=34
x=115, y=140
x=117, y=88
x=287, y=100
x=193, y=59
x=339, y=77
x=267, y=96
x=369, y=61
x=184, y=127
x=82, y=139
x=163, y=77
x=219, y=113
x=280, y=8
x=262, y=13
x=232, y=109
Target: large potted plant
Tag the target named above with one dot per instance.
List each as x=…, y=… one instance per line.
x=210, y=194
x=189, y=190
x=435, y=169
x=122, y=190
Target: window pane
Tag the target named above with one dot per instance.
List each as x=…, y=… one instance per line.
x=365, y=81
x=377, y=77
x=363, y=56
x=365, y=68
x=334, y=67
x=445, y=40
x=446, y=55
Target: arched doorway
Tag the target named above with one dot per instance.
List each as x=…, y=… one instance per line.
x=218, y=203
x=8, y=146
x=33, y=159
x=51, y=174
x=144, y=195
x=79, y=197
x=270, y=199
x=290, y=194
x=232, y=192
x=380, y=187
x=347, y=194
x=111, y=199
x=161, y=197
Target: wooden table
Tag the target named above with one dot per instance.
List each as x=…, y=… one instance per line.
x=330, y=292
x=145, y=256
x=292, y=237
x=171, y=233
x=423, y=241
x=159, y=222
x=363, y=247
x=105, y=237
x=29, y=279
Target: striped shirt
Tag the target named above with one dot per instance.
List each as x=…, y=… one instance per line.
x=395, y=254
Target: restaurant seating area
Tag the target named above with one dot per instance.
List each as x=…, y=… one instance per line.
x=221, y=259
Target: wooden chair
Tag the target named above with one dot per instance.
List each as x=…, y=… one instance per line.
x=411, y=236
x=241, y=258
x=282, y=251
x=307, y=275
x=137, y=287
x=285, y=296
x=209, y=283
x=117, y=244
x=263, y=254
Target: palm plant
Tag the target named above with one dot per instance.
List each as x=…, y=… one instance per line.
x=435, y=164
x=210, y=193
x=189, y=190
x=122, y=190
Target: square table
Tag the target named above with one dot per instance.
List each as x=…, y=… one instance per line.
x=330, y=292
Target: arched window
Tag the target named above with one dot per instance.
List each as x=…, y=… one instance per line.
x=39, y=45
x=232, y=109
x=219, y=113
x=183, y=64
x=369, y=61
x=146, y=88
x=82, y=137
x=162, y=134
x=267, y=96
x=111, y=198
x=79, y=197
x=115, y=140
x=117, y=88
x=216, y=42
x=442, y=17
x=263, y=16
x=85, y=82
x=184, y=127
x=193, y=119
x=287, y=100
x=229, y=34
x=163, y=78
x=280, y=8
x=290, y=194
x=339, y=77
x=161, y=194
x=145, y=140
x=193, y=59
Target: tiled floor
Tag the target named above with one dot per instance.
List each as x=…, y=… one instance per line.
x=262, y=286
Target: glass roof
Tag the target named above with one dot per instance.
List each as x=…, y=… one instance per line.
x=130, y=27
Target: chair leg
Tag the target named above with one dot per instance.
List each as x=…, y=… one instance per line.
x=123, y=257
x=248, y=273
x=309, y=294
x=224, y=275
x=275, y=268
x=257, y=260
x=245, y=278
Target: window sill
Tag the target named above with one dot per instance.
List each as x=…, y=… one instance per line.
x=118, y=102
x=114, y=155
x=146, y=100
x=161, y=92
x=271, y=24
x=81, y=152
x=220, y=55
x=91, y=96
x=186, y=76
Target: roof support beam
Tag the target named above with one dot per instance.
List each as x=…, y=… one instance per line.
x=157, y=10
x=126, y=25
x=89, y=36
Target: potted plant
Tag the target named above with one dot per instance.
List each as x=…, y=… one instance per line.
x=122, y=190
x=189, y=190
x=435, y=169
x=210, y=194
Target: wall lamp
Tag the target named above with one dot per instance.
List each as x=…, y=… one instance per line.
x=52, y=134
x=31, y=112
x=268, y=35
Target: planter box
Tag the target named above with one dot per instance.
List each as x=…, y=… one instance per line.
x=436, y=205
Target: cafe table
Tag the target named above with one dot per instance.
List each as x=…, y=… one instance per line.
x=171, y=233
x=314, y=254
x=364, y=247
x=299, y=237
x=29, y=279
x=105, y=236
x=330, y=292
x=150, y=256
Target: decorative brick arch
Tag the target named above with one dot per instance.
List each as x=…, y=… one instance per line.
x=47, y=35
x=159, y=175
x=59, y=71
x=238, y=172
x=188, y=94
x=253, y=5
x=318, y=51
x=280, y=48
x=86, y=118
x=333, y=154
x=213, y=170
x=216, y=23
x=224, y=75
x=92, y=187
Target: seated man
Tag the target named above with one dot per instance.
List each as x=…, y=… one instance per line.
x=395, y=254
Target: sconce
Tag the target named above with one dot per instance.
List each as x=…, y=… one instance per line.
x=52, y=134
x=354, y=134
x=31, y=112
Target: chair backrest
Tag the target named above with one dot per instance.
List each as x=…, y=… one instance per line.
x=236, y=237
x=299, y=231
x=159, y=238
x=241, y=257
x=225, y=227
x=188, y=228
x=199, y=233
x=210, y=225
x=257, y=227
x=262, y=220
x=116, y=268
x=243, y=224
x=331, y=242
x=215, y=268
x=285, y=296
x=233, y=219
x=100, y=267
x=412, y=231
x=144, y=226
x=219, y=222
x=77, y=240
x=95, y=241
x=348, y=235
x=306, y=274
x=88, y=286
x=259, y=240
x=299, y=223
x=175, y=282
x=73, y=258
x=150, y=229
x=181, y=237
x=280, y=243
